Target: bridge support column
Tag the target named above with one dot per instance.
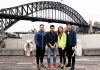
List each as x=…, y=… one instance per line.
x=2, y=32
x=90, y=28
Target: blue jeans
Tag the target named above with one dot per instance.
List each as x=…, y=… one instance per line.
x=49, y=55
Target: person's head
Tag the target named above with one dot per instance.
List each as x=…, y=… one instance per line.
x=68, y=26
x=41, y=27
x=60, y=29
x=52, y=27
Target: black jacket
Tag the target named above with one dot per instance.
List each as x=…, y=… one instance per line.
x=51, y=38
x=71, y=38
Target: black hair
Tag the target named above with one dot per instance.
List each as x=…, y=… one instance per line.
x=52, y=26
x=41, y=25
x=68, y=23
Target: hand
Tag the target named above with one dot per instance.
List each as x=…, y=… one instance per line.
x=55, y=45
x=62, y=48
x=73, y=48
x=52, y=47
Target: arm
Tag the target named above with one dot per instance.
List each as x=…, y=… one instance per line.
x=74, y=39
x=56, y=39
x=47, y=39
x=35, y=39
x=64, y=41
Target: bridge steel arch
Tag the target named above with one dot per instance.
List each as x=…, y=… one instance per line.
x=30, y=8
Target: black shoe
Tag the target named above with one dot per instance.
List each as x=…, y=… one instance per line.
x=72, y=68
x=43, y=66
x=38, y=67
x=62, y=67
x=68, y=65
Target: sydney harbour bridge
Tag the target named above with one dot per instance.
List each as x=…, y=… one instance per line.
x=46, y=11
x=11, y=49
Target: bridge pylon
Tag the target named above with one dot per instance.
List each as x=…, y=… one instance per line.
x=2, y=32
x=90, y=31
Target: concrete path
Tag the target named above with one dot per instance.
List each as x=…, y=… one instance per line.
x=29, y=63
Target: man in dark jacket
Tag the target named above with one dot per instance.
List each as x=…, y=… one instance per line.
x=70, y=46
x=40, y=41
x=51, y=39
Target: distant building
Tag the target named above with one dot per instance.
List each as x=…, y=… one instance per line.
x=97, y=24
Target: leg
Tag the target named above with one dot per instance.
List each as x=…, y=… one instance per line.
x=48, y=57
x=63, y=56
x=73, y=63
x=73, y=59
x=37, y=58
x=54, y=58
x=68, y=52
x=42, y=55
x=60, y=54
x=49, y=54
x=37, y=55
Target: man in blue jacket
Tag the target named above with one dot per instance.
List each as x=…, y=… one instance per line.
x=40, y=41
x=70, y=46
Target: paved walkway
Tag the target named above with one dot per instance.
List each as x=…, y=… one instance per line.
x=29, y=63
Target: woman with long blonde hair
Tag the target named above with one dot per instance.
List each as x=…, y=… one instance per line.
x=61, y=46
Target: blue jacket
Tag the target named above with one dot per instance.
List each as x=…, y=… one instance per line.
x=71, y=39
x=40, y=39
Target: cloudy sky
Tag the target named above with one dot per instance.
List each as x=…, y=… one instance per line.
x=89, y=9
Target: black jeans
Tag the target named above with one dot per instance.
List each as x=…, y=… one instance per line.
x=40, y=55
x=62, y=56
x=69, y=53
